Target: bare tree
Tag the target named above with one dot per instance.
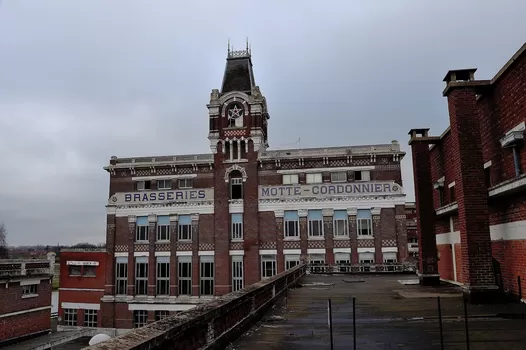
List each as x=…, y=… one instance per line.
x=4, y=252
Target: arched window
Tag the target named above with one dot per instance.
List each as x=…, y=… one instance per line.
x=236, y=185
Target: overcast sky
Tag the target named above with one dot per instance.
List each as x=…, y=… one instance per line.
x=81, y=81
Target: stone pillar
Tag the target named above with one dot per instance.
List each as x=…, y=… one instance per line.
x=328, y=233
x=471, y=192
x=195, y=255
x=425, y=211
x=353, y=234
x=173, y=256
x=302, y=214
x=152, y=263
x=377, y=235
x=132, y=221
x=279, y=214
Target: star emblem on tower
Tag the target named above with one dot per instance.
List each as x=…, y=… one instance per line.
x=235, y=112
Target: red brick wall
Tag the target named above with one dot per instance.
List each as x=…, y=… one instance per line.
x=25, y=324
x=440, y=167
x=67, y=281
x=12, y=301
x=512, y=258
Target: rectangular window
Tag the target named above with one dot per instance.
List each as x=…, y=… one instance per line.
x=70, y=317
x=291, y=261
x=340, y=176
x=291, y=179
x=315, y=220
x=366, y=258
x=237, y=273
x=440, y=196
x=363, y=175
x=141, y=275
x=268, y=266
x=163, y=228
x=342, y=258
x=364, y=222
x=185, y=183
x=237, y=226
x=161, y=314
x=291, y=223
x=185, y=228
x=314, y=178
x=121, y=275
x=340, y=223
x=140, y=318
x=185, y=275
x=163, y=275
x=30, y=289
x=141, y=230
x=236, y=188
x=142, y=185
x=89, y=271
x=389, y=257
x=452, y=197
x=90, y=318
x=487, y=176
x=164, y=184
x=206, y=285
x=75, y=270
x=317, y=259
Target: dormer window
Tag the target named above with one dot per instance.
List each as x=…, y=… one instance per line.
x=340, y=176
x=363, y=175
x=185, y=183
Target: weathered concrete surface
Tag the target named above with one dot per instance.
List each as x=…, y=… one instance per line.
x=389, y=315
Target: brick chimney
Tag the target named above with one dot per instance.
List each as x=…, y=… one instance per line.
x=470, y=190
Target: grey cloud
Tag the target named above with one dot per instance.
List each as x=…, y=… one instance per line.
x=84, y=80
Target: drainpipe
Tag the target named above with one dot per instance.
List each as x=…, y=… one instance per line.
x=516, y=161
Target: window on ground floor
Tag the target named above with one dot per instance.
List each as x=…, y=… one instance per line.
x=343, y=260
x=291, y=260
x=389, y=257
x=160, y=314
x=237, y=272
x=184, y=269
x=268, y=266
x=90, y=318
x=70, y=317
x=206, y=285
x=30, y=289
x=140, y=318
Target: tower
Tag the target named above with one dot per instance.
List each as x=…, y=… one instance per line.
x=238, y=132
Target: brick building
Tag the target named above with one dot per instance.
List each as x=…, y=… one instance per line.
x=25, y=299
x=82, y=281
x=474, y=175
x=182, y=229
x=412, y=235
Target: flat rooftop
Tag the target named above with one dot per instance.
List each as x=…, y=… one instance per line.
x=389, y=315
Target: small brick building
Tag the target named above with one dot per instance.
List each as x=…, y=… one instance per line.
x=470, y=184
x=25, y=299
x=182, y=229
x=82, y=280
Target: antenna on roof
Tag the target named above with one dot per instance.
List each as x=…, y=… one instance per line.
x=229, y=46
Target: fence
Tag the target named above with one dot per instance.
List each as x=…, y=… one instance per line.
x=362, y=268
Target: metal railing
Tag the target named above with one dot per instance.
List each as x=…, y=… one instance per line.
x=362, y=268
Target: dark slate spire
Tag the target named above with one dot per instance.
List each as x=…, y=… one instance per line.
x=238, y=71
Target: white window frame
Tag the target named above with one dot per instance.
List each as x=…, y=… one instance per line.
x=163, y=233
x=387, y=257
x=368, y=223
x=314, y=178
x=141, y=185
x=206, y=275
x=90, y=318
x=141, y=233
x=291, y=261
x=236, y=181
x=161, y=314
x=140, y=318
x=70, y=317
x=141, y=279
x=30, y=289
x=164, y=184
x=121, y=277
x=291, y=225
x=162, y=274
x=236, y=228
x=290, y=179
x=339, y=176
x=184, y=283
x=185, y=183
x=312, y=224
x=237, y=273
x=365, y=175
x=184, y=231
x=337, y=225
x=268, y=264
x=342, y=258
